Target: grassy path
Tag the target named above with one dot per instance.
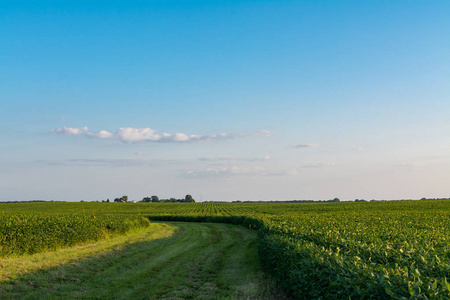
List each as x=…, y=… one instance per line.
x=170, y=260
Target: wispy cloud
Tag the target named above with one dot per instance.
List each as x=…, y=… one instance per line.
x=319, y=165
x=306, y=146
x=106, y=162
x=236, y=171
x=136, y=135
x=231, y=158
x=109, y=162
x=413, y=166
x=141, y=153
x=266, y=133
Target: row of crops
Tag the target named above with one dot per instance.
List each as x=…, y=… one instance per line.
x=378, y=250
x=33, y=232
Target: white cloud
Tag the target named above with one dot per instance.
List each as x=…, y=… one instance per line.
x=129, y=134
x=181, y=137
x=102, y=134
x=70, y=131
x=136, y=135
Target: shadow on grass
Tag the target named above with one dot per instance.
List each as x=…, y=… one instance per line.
x=94, y=275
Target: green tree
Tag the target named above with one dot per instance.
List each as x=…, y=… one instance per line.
x=155, y=199
x=189, y=198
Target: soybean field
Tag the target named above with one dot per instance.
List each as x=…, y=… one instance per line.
x=376, y=250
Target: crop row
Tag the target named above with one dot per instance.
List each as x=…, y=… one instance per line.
x=362, y=256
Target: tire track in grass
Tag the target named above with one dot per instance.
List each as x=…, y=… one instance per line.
x=171, y=260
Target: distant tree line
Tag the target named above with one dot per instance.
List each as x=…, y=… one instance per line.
x=124, y=199
x=287, y=201
x=28, y=201
x=187, y=198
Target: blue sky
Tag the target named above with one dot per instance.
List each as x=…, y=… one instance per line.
x=224, y=100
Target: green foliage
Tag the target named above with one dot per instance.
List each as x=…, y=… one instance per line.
x=396, y=250
x=376, y=250
x=28, y=233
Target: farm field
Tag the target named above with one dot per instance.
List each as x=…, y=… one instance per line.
x=163, y=261
x=376, y=250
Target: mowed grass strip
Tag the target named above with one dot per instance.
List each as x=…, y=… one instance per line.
x=172, y=260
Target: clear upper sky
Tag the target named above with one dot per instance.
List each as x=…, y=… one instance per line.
x=224, y=100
